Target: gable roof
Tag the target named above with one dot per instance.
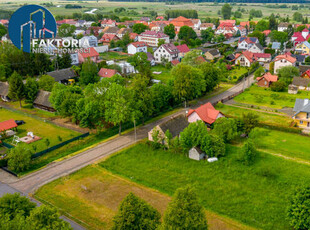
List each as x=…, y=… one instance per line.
x=104, y=72
x=262, y=55
x=6, y=125
x=249, y=40
x=269, y=77
x=43, y=99
x=213, y=52
x=302, y=105
x=175, y=125
x=4, y=88
x=138, y=44
x=289, y=58
x=62, y=74
x=92, y=53
x=276, y=45
x=300, y=81
x=247, y=54
x=170, y=48
x=175, y=62
x=155, y=34
x=206, y=112
x=183, y=48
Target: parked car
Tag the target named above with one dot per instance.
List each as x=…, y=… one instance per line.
x=20, y=122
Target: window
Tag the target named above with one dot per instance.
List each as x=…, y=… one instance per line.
x=301, y=122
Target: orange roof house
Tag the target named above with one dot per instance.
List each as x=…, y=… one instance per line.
x=104, y=72
x=206, y=113
x=7, y=125
x=306, y=74
x=266, y=80
x=181, y=21
x=92, y=54
x=246, y=58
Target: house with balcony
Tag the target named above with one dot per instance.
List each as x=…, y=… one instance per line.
x=302, y=113
x=246, y=58
x=152, y=38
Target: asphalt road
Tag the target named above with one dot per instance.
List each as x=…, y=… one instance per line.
x=30, y=183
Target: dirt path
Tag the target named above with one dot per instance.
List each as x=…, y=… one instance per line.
x=295, y=159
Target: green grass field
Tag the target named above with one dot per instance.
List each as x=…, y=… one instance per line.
x=236, y=73
x=165, y=75
x=113, y=56
x=265, y=118
x=255, y=195
x=265, y=97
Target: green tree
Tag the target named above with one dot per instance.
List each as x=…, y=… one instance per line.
x=12, y=205
x=271, y=67
x=217, y=148
x=212, y=75
x=226, y=11
x=19, y=158
x=3, y=30
x=226, y=128
x=278, y=36
x=186, y=33
x=31, y=89
x=259, y=72
x=298, y=211
x=140, y=62
x=191, y=58
x=89, y=73
x=262, y=25
x=46, y=82
x=207, y=35
x=188, y=82
x=161, y=42
x=185, y=211
x=278, y=86
x=248, y=153
x=162, y=97
x=259, y=35
x=16, y=88
x=139, y=28
x=250, y=121
x=66, y=30
x=135, y=213
x=238, y=14
x=117, y=104
x=45, y=217
x=170, y=31
x=273, y=24
x=287, y=73
x=301, y=28
x=297, y=17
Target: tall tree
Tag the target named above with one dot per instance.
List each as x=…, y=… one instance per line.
x=19, y=158
x=89, y=73
x=135, y=213
x=46, y=82
x=226, y=11
x=66, y=30
x=184, y=211
x=186, y=33
x=170, y=31
x=139, y=28
x=226, y=128
x=17, y=88
x=140, y=62
x=31, y=89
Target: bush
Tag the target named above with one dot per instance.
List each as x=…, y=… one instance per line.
x=19, y=158
x=278, y=86
x=248, y=153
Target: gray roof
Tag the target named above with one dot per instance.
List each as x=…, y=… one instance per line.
x=300, y=81
x=214, y=52
x=4, y=88
x=63, y=74
x=259, y=46
x=175, y=125
x=303, y=68
x=276, y=45
x=302, y=105
x=299, y=57
x=43, y=99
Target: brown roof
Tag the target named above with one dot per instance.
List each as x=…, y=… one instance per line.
x=300, y=81
x=175, y=125
x=4, y=88
x=43, y=99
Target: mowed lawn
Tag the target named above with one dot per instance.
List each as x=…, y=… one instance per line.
x=256, y=195
x=265, y=97
x=93, y=194
x=165, y=75
x=39, y=128
x=265, y=118
x=284, y=143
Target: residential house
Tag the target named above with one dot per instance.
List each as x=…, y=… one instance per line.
x=91, y=40
x=175, y=126
x=157, y=26
x=92, y=55
x=137, y=47
x=152, y=38
x=79, y=32
x=232, y=22
x=110, y=30
x=4, y=22
x=256, y=48
x=102, y=49
x=283, y=60
x=306, y=74
x=262, y=57
x=63, y=75
x=197, y=23
x=167, y=52
x=303, y=48
x=160, y=18
x=266, y=80
x=104, y=72
x=93, y=30
x=226, y=29
x=134, y=36
x=108, y=22
x=123, y=31
x=107, y=38
x=206, y=113
x=126, y=68
x=175, y=62
x=181, y=21
x=241, y=31
x=42, y=101
x=183, y=49
x=80, y=23
x=246, y=58
x=300, y=37
x=300, y=59
x=283, y=26
x=196, y=153
x=205, y=26
x=302, y=113
x=301, y=83
x=245, y=43
x=211, y=54
x=4, y=91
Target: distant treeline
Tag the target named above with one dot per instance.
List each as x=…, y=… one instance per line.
x=69, y=6
x=219, y=1
x=184, y=13
x=5, y=14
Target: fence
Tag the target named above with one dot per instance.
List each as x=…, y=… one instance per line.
x=58, y=145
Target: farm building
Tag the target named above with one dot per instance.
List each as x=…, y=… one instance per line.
x=42, y=101
x=196, y=153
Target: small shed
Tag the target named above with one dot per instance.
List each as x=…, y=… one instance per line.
x=196, y=153
x=42, y=101
x=292, y=89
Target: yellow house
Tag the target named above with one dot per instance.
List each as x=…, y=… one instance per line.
x=302, y=113
x=303, y=48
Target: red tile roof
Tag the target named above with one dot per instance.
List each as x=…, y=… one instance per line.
x=133, y=35
x=306, y=73
x=92, y=53
x=247, y=54
x=6, y=125
x=262, y=55
x=269, y=77
x=206, y=112
x=155, y=34
x=286, y=57
x=138, y=44
x=107, y=72
x=175, y=62
x=266, y=32
x=183, y=48
x=108, y=38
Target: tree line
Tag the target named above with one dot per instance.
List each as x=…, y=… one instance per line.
x=220, y=1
